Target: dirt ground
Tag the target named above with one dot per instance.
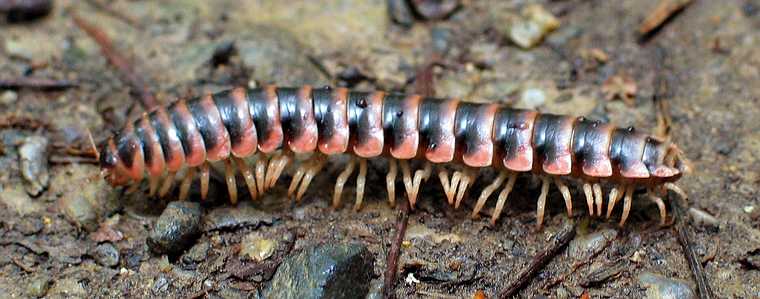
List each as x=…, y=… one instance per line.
x=81, y=238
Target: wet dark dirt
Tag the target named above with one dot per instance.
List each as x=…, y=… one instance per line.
x=81, y=238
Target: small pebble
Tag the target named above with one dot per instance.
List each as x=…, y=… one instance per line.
x=161, y=285
x=529, y=30
x=325, y=271
x=79, y=211
x=106, y=255
x=176, y=228
x=38, y=286
x=8, y=97
x=531, y=98
x=400, y=12
x=197, y=253
x=701, y=217
x=257, y=248
x=749, y=209
x=658, y=286
x=33, y=160
x=244, y=215
x=583, y=247
x=434, y=9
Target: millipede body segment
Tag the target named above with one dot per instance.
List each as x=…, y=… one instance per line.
x=273, y=124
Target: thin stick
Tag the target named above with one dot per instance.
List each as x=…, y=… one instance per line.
x=122, y=64
x=390, y=270
x=559, y=242
x=36, y=83
x=681, y=231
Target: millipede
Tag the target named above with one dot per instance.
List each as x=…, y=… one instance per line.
x=258, y=132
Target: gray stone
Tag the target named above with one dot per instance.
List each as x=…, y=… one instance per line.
x=176, y=228
x=80, y=211
x=197, y=253
x=662, y=287
x=38, y=286
x=326, y=271
x=584, y=247
x=33, y=156
x=106, y=255
x=242, y=216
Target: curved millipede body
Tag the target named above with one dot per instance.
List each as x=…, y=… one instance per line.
x=274, y=124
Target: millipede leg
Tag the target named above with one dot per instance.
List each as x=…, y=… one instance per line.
x=455, y=179
x=311, y=172
x=419, y=176
x=677, y=190
x=297, y=178
x=261, y=171
x=250, y=181
x=589, y=198
x=660, y=205
x=566, y=195
x=627, y=204
x=406, y=173
x=503, y=198
x=276, y=166
x=487, y=193
x=229, y=176
x=390, y=181
x=361, y=179
x=184, y=188
x=615, y=194
x=167, y=184
x=467, y=180
x=541, y=205
x=341, y=181
x=598, y=198
x=153, y=182
x=443, y=176
x=204, y=180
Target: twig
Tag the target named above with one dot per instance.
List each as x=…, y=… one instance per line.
x=681, y=230
x=540, y=261
x=392, y=263
x=659, y=16
x=36, y=83
x=121, y=63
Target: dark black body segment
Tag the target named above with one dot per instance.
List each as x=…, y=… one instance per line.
x=182, y=129
x=231, y=117
x=652, y=156
x=513, y=138
x=289, y=112
x=323, y=108
x=143, y=139
x=430, y=132
x=393, y=124
x=262, y=119
x=552, y=135
x=127, y=145
x=465, y=127
x=203, y=122
x=358, y=124
x=626, y=151
x=165, y=135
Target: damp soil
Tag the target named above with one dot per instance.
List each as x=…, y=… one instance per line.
x=79, y=237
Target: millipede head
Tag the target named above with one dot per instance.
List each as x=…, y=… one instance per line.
x=111, y=166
